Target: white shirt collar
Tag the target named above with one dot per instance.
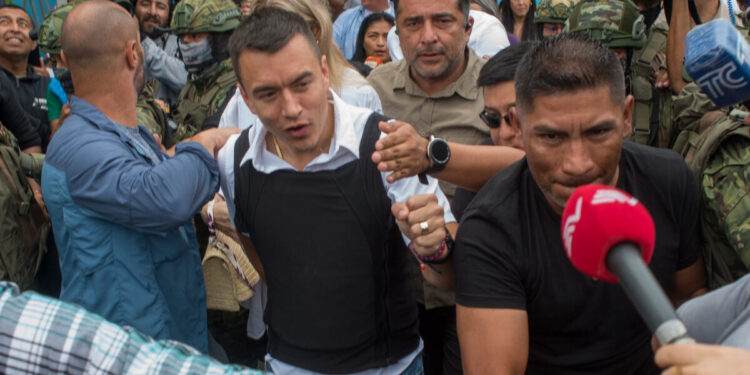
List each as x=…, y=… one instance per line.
x=349, y=122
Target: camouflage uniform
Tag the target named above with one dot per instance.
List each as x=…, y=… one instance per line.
x=23, y=228
x=619, y=24
x=203, y=96
x=200, y=98
x=716, y=144
x=51, y=27
x=553, y=11
x=149, y=113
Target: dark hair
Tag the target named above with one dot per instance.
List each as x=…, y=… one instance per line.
x=359, y=52
x=219, y=43
x=502, y=67
x=566, y=63
x=462, y=5
x=14, y=6
x=488, y=6
x=506, y=17
x=268, y=29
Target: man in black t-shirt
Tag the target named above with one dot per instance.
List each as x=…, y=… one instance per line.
x=522, y=306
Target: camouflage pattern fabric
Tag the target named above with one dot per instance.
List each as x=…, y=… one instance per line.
x=617, y=23
x=23, y=226
x=553, y=11
x=201, y=16
x=148, y=112
x=201, y=98
x=716, y=145
x=51, y=27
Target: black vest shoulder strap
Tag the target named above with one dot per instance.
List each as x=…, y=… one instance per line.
x=241, y=179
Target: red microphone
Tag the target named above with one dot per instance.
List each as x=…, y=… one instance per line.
x=609, y=236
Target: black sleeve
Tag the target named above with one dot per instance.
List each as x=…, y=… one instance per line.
x=15, y=119
x=689, y=209
x=487, y=272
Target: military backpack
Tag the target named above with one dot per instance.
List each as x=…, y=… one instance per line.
x=24, y=227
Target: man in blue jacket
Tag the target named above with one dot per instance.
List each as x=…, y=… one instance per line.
x=120, y=208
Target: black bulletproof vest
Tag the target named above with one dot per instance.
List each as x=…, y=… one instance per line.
x=340, y=298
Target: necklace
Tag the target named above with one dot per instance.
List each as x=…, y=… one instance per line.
x=278, y=149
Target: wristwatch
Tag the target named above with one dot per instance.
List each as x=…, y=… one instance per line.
x=439, y=154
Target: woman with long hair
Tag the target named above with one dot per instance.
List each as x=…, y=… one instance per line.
x=372, y=38
x=518, y=18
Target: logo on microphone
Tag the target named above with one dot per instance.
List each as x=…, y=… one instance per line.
x=570, y=226
x=604, y=196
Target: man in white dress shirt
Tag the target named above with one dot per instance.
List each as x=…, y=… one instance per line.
x=320, y=223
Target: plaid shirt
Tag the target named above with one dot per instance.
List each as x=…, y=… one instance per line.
x=40, y=335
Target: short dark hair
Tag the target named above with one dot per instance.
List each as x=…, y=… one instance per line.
x=268, y=29
x=14, y=6
x=502, y=67
x=566, y=63
x=462, y=5
x=359, y=51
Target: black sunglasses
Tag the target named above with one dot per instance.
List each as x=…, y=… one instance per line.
x=493, y=120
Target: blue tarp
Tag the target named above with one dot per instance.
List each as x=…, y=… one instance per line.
x=36, y=8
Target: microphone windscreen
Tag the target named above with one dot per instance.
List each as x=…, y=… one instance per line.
x=598, y=217
x=717, y=59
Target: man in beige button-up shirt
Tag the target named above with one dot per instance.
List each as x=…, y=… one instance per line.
x=434, y=89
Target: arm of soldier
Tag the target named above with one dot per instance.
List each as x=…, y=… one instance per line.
x=725, y=190
x=404, y=153
x=678, y=29
x=167, y=69
x=493, y=341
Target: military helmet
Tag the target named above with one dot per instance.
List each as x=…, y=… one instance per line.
x=202, y=16
x=553, y=11
x=617, y=23
x=51, y=28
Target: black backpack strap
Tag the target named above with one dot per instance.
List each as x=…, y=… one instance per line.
x=240, y=149
x=370, y=202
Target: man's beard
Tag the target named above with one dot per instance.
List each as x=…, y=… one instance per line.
x=152, y=32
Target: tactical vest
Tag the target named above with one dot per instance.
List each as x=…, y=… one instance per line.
x=652, y=114
x=23, y=230
x=338, y=272
x=201, y=98
x=698, y=144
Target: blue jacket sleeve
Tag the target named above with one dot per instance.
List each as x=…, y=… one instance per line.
x=129, y=191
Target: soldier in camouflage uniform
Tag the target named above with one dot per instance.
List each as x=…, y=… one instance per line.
x=204, y=27
x=716, y=145
x=550, y=16
x=619, y=25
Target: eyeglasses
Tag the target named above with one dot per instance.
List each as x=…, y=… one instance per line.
x=493, y=120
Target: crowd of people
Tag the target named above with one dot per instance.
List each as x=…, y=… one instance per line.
x=360, y=187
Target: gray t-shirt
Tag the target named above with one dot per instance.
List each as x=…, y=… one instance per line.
x=720, y=317
x=136, y=137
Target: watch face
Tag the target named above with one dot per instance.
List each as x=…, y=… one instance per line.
x=439, y=151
